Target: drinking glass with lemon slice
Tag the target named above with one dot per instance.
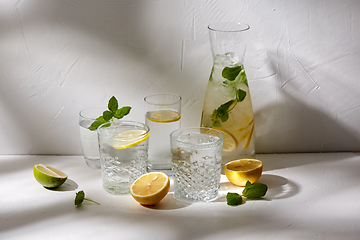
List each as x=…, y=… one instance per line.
x=123, y=147
x=162, y=115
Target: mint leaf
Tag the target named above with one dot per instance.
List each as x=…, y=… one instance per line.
x=100, y=120
x=79, y=198
x=224, y=117
x=233, y=199
x=225, y=107
x=243, y=78
x=122, y=112
x=230, y=73
x=107, y=115
x=113, y=104
x=240, y=95
x=255, y=190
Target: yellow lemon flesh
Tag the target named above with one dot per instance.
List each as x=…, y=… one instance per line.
x=164, y=116
x=240, y=171
x=229, y=142
x=130, y=138
x=150, y=188
x=49, y=177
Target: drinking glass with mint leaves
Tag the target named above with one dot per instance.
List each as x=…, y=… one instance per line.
x=89, y=120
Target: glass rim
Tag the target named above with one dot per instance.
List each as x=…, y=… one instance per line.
x=146, y=98
x=197, y=130
x=228, y=27
x=124, y=123
x=81, y=113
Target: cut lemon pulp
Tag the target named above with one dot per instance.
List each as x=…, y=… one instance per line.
x=150, y=188
x=130, y=138
x=49, y=177
x=240, y=171
x=229, y=142
x=164, y=116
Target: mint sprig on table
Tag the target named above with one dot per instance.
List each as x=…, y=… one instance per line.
x=80, y=197
x=251, y=191
x=221, y=114
x=113, y=112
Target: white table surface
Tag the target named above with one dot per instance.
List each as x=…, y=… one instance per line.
x=310, y=196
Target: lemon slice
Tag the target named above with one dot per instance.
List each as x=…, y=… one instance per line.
x=229, y=142
x=164, y=116
x=240, y=171
x=49, y=177
x=130, y=138
x=150, y=188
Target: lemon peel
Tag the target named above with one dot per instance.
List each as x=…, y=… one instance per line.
x=240, y=171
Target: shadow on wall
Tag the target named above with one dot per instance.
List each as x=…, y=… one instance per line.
x=79, y=41
x=291, y=125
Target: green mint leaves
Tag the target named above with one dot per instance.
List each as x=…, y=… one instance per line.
x=80, y=197
x=251, y=191
x=230, y=73
x=113, y=112
x=221, y=114
x=233, y=199
x=255, y=190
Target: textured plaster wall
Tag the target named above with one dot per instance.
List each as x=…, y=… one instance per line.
x=60, y=56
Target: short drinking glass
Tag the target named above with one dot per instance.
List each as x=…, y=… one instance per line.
x=123, y=154
x=88, y=138
x=162, y=115
x=196, y=158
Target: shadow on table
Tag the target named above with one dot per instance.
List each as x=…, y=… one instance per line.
x=68, y=185
x=278, y=188
x=169, y=203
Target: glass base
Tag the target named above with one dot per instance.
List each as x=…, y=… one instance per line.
x=192, y=200
x=117, y=188
x=93, y=163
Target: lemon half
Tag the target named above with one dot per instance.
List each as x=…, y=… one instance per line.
x=49, y=177
x=130, y=138
x=240, y=171
x=150, y=188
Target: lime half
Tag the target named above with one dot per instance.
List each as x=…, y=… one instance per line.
x=130, y=138
x=48, y=176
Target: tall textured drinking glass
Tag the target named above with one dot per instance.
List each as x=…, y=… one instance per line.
x=88, y=138
x=123, y=154
x=227, y=105
x=196, y=157
x=162, y=115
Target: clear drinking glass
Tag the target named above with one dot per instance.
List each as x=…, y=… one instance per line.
x=227, y=104
x=162, y=115
x=123, y=154
x=196, y=158
x=88, y=139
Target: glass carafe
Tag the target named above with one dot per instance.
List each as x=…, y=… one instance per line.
x=227, y=105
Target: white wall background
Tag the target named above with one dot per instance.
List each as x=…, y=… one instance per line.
x=60, y=56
